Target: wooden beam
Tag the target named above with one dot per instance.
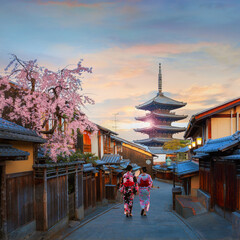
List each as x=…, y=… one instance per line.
x=209, y=128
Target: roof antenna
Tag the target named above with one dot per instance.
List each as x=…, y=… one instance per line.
x=160, y=80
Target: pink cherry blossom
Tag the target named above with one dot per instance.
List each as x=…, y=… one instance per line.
x=44, y=96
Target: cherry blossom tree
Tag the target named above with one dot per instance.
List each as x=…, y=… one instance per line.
x=49, y=102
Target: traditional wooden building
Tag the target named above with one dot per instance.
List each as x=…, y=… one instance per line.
x=18, y=153
x=187, y=172
x=217, y=122
x=136, y=153
x=219, y=161
x=160, y=118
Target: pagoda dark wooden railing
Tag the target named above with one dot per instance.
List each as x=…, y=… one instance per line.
x=51, y=192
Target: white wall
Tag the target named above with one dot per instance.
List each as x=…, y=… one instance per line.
x=159, y=159
x=94, y=140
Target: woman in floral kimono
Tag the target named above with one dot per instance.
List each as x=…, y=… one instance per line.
x=128, y=188
x=145, y=184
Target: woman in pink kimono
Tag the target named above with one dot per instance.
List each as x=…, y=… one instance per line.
x=128, y=188
x=145, y=184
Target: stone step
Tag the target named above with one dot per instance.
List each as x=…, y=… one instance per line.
x=188, y=206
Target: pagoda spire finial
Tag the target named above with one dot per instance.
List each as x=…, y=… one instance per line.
x=160, y=79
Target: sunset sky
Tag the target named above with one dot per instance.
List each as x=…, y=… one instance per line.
x=197, y=43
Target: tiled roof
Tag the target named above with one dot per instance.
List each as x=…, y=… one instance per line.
x=172, y=116
x=160, y=150
x=131, y=143
x=161, y=101
x=135, y=167
x=162, y=167
x=106, y=130
x=88, y=167
x=12, y=131
x=117, y=170
x=111, y=158
x=234, y=156
x=124, y=165
x=199, y=155
x=153, y=140
x=185, y=167
x=8, y=152
x=220, y=144
x=99, y=162
x=161, y=128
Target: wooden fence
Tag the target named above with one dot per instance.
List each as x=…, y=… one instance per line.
x=89, y=192
x=20, y=200
x=51, y=192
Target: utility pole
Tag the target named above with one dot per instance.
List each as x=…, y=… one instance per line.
x=115, y=121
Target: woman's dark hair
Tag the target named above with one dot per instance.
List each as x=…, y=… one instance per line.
x=129, y=168
x=144, y=169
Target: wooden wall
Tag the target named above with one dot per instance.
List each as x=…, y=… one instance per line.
x=137, y=157
x=57, y=202
x=238, y=193
x=89, y=191
x=166, y=175
x=225, y=185
x=205, y=175
x=20, y=200
x=220, y=179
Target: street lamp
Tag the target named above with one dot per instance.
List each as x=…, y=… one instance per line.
x=193, y=144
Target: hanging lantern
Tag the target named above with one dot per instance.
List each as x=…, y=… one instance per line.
x=199, y=141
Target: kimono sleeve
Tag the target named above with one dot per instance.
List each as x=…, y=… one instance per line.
x=150, y=181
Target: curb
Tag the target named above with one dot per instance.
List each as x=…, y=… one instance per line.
x=89, y=220
x=194, y=231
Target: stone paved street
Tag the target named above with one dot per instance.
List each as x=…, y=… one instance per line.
x=160, y=223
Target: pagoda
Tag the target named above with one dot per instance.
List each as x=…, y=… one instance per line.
x=160, y=117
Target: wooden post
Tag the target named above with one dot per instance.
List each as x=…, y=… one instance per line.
x=212, y=193
x=58, y=200
x=3, y=233
x=67, y=190
x=82, y=194
x=76, y=192
x=100, y=177
x=45, y=213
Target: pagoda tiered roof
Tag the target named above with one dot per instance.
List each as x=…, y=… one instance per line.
x=160, y=108
x=161, y=129
x=162, y=116
x=161, y=102
x=152, y=141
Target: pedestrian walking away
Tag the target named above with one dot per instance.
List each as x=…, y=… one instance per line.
x=129, y=188
x=145, y=184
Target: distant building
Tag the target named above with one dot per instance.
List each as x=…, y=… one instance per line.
x=160, y=118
